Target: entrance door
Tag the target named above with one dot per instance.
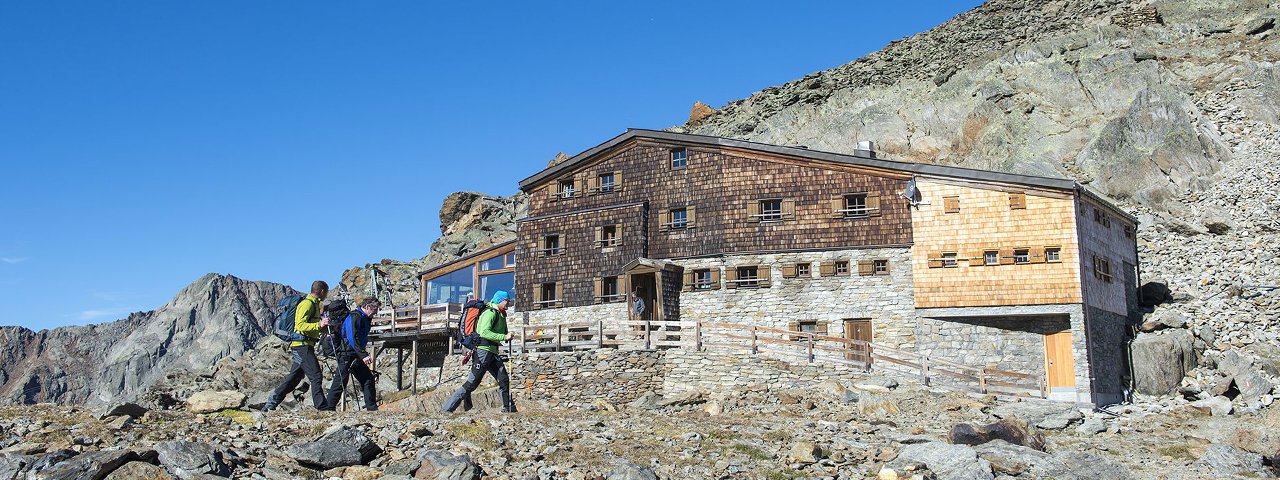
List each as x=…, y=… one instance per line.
x=858, y=329
x=1060, y=364
x=644, y=287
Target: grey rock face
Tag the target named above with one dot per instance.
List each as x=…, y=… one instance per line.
x=189, y=459
x=139, y=471
x=948, y=462
x=353, y=438
x=94, y=465
x=324, y=455
x=1227, y=460
x=12, y=465
x=625, y=470
x=1084, y=466
x=215, y=317
x=446, y=466
x=1160, y=360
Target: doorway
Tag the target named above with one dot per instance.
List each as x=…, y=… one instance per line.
x=1060, y=365
x=644, y=288
x=858, y=329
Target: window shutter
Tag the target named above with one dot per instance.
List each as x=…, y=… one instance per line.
x=788, y=208
x=715, y=278
x=753, y=211
x=793, y=326
x=866, y=267
x=823, y=325
x=837, y=204
x=691, y=214
x=688, y=281
x=975, y=259
x=560, y=293
x=827, y=269
x=600, y=237
x=664, y=220
x=542, y=246
x=1036, y=255
x=553, y=191
x=617, y=230
x=537, y=295
x=623, y=291
x=935, y=260
x=592, y=185
x=731, y=277
x=764, y=272
x=873, y=204
x=599, y=290
x=1017, y=201
x=789, y=270
x=580, y=184
x=951, y=204
x=1006, y=256
x=617, y=180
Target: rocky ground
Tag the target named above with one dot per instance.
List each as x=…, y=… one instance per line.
x=845, y=431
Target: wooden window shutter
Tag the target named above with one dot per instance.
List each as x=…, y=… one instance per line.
x=553, y=191
x=866, y=267
x=715, y=278
x=617, y=230
x=951, y=204
x=617, y=180
x=664, y=220
x=788, y=208
x=764, y=272
x=822, y=327
x=976, y=259
x=789, y=270
x=1017, y=201
x=873, y=204
x=542, y=246
x=599, y=290
x=560, y=293
x=1006, y=256
x=592, y=184
x=935, y=260
x=1036, y=255
x=688, y=281
x=753, y=211
x=537, y=295
x=731, y=277
x=691, y=214
x=623, y=289
x=793, y=325
x=827, y=269
x=600, y=237
x=837, y=204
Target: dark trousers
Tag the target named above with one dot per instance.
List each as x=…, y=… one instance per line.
x=304, y=364
x=352, y=364
x=483, y=362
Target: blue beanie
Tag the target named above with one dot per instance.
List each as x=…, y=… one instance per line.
x=499, y=296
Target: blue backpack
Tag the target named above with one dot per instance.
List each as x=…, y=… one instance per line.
x=286, y=311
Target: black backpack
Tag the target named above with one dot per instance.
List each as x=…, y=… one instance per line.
x=337, y=312
x=286, y=311
x=467, y=321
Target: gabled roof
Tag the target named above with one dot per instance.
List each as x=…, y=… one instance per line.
x=924, y=169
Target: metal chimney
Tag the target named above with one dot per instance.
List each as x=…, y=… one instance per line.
x=866, y=148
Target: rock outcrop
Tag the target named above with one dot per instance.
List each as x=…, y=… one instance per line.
x=215, y=317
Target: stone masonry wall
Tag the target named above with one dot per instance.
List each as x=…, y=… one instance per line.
x=709, y=372
x=1014, y=344
x=616, y=376
x=1106, y=340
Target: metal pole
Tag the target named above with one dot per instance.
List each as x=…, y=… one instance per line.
x=415, y=366
x=399, y=369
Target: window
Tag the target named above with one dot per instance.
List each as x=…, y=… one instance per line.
x=551, y=245
x=548, y=295
x=679, y=218
x=497, y=281
x=609, y=289
x=679, y=158
x=702, y=279
x=1102, y=268
x=991, y=257
x=771, y=210
x=803, y=270
x=609, y=236
x=842, y=267
x=951, y=204
x=1106, y=221
x=1052, y=254
x=605, y=182
x=811, y=327
x=1128, y=232
x=855, y=205
x=1021, y=256
x=453, y=287
x=492, y=264
x=511, y=259
x=567, y=188
x=748, y=277
x=949, y=259
x=1017, y=201
x=881, y=267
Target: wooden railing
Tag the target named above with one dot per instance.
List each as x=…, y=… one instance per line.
x=787, y=344
x=415, y=320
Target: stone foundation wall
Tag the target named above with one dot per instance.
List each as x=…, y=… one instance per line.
x=1015, y=344
x=616, y=376
x=588, y=313
x=709, y=372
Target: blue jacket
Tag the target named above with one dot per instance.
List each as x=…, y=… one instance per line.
x=355, y=332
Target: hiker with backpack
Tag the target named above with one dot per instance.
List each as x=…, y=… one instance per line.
x=353, y=360
x=490, y=332
x=300, y=326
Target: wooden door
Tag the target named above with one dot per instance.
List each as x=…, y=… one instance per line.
x=858, y=329
x=1060, y=364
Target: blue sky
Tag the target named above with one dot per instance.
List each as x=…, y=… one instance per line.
x=145, y=144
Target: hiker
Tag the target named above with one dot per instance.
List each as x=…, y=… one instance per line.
x=353, y=360
x=638, y=306
x=306, y=323
x=492, y=330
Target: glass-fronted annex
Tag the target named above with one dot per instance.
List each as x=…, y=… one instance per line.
x=479, y=274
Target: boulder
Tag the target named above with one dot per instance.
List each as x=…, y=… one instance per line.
x=441, y=465
x=1061, y=420
x=1217, y=406
x=1268, y=357
x=191, y=459
x=1160, y=360
x=354, y=438
x=1232, y=363
x=872, y=405
x=1084, y=466
x=1015, y=460
x=1011, y=430
x=649, y=401
x=946, y=461
x=13, y=464
x=625, y=470
x=122, y=409
x=1092, y=426
x=210, y=401
x=1228, y=460
x=361, y=472
x=684, y=398
x=324, y=455
x=1252, y=385
x=139, y=471
x=1034, y=411
x=87, y=466
x=1164, y=318
x=47, y=460
x=805, y=452
x=877, y=384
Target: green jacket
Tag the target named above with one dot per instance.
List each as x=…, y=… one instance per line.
x=307, y=321
x=492, y=326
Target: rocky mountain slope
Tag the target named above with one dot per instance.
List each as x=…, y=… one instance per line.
x=469, y=222
x=215, y=317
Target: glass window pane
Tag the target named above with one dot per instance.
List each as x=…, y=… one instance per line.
x=451, y=288
x=511, y=259
x=498, y=281
x=491, y=264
